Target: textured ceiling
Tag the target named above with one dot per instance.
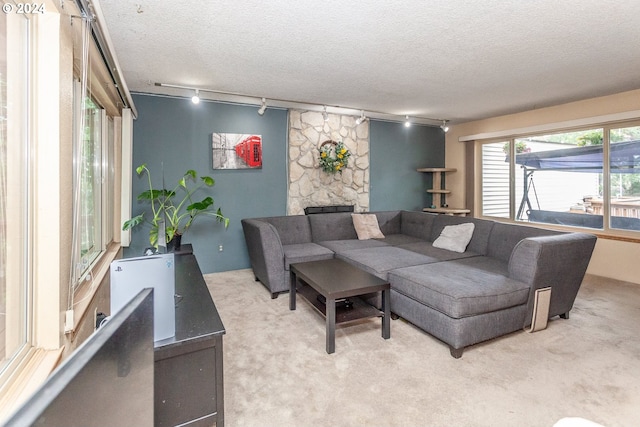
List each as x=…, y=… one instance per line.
x=458, y=60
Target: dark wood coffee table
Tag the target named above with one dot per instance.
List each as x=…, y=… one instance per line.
x=334, y=280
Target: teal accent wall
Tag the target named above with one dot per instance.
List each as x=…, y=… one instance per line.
x=172, y=135
x=396, y=152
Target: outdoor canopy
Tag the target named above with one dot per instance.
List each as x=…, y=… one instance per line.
x=624, y=158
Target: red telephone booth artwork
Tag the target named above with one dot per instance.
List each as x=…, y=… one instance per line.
x=236, y=151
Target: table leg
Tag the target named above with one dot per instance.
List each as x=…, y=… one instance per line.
x=386, y=320
x=330, y=305
x=292, y=290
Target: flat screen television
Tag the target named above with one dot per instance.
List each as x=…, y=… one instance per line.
x=130, y=275
x=107, y=381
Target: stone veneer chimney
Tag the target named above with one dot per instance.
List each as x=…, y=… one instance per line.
x=311, y=186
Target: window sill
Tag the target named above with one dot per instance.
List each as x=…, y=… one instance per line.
x=619, y=235
x=614, y=236
x=600, y=234
x=32, y=372
x=37, y=363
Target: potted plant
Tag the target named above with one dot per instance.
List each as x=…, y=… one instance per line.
x=176, y=213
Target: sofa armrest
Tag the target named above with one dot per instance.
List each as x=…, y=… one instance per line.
x=557, y=261
x=265, y=253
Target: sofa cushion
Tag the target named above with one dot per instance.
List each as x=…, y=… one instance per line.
x=378, y=261
x=505, y=237
x=389, y=221
x=455, y=238
x=486, y=263
x=291, y=229
x=426, y=248
x=481, y=232
x=332, y=226
x=347, y=245
x=366, y=226
x=304, y=252
x=460, y=288
x=417, y=224
x=399, y=239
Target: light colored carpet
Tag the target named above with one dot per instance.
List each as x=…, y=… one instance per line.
x=277, y=372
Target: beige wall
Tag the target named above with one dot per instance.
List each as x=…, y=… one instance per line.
x=612, y=258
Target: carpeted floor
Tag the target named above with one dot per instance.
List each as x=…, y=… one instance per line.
x=277, y=372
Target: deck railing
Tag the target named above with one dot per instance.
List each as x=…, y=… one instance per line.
x=628, y=207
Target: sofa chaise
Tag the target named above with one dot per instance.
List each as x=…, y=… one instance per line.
x=484, y=291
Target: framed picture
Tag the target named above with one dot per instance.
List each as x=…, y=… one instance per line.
x=236, y=151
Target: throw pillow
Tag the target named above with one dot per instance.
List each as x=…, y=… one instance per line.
x=366, y=226
x=455, y=237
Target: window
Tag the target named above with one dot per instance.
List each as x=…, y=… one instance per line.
x=624, y=161
x=35, y=149
x=90, y=193
x=495, y=179
x=15, y=208
x=96, y=162
x=557, y=173
x=585, y=178
x=109, y=172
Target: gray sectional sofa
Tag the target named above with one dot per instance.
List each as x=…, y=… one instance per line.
x=460, y=298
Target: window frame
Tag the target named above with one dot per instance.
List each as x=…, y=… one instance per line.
x=104, y=177
x=20, y=259
x=607, y=231
x=51, y=112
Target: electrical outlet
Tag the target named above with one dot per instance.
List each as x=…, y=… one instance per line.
x=220, y=248
x=68, y=321
x=100, y=318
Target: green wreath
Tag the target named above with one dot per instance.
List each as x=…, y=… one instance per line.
x=334, y=156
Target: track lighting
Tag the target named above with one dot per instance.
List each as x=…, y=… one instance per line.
x=283, y=103
x=361, y=119
x=196, y=98
x=263, y=107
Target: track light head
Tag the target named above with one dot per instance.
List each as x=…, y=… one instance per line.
x=407, y=122
x=325, y=115
x=196, y=98
x=361, y=119
x=263, y=107
x=444, y=126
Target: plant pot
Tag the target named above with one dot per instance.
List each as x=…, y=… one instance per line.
x=174, y=244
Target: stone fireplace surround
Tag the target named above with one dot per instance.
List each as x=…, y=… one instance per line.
x=308, y=184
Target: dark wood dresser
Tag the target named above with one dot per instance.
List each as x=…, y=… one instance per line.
x=188, y=367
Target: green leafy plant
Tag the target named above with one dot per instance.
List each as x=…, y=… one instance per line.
x=177, y=213
x=591, y=138
x=521, y=147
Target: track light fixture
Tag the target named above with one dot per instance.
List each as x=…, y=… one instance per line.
x=196, y=98
x=279, y=102
x=361, y=119
x=263, y=107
